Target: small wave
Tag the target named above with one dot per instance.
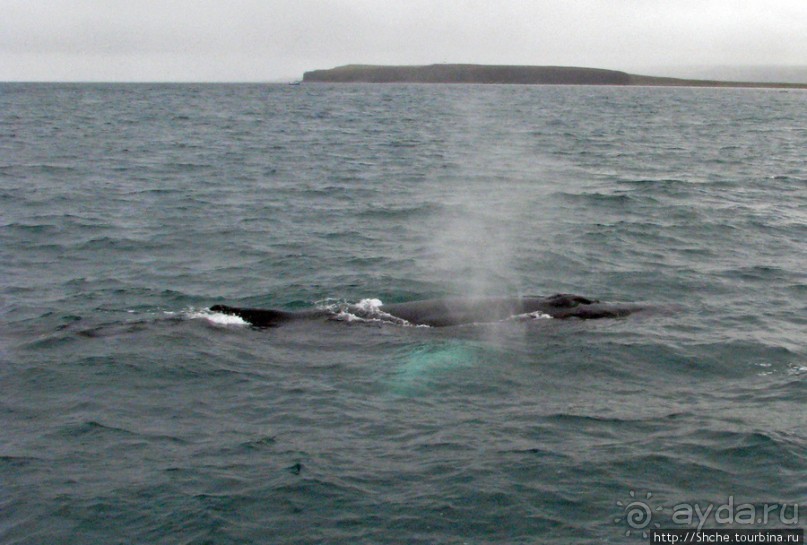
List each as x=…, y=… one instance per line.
x=50, y=167
x=656, y=182
x=400, y=212
x=93, y=427
x=17, y=462
x=596, y=198
x=32, y=228
x=786, y=178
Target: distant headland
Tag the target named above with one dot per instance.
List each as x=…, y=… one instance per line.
x=503, y=74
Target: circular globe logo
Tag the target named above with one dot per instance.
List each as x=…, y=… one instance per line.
x=637, y=514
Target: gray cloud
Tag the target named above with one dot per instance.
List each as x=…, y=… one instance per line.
x=279, y=39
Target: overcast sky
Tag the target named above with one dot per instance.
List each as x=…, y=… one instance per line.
x=268, y=40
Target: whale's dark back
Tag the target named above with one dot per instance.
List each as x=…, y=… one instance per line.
x=257, y=316
x=455, y=311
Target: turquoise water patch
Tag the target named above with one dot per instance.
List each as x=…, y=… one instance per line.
x=419, y=369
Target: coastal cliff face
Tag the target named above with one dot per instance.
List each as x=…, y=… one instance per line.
x=469, y=73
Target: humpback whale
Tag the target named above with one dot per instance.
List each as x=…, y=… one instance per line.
x=450, y=311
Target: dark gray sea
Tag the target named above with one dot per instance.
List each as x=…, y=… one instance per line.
x=130, y=413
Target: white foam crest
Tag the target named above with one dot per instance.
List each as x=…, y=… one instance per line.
x=367, y=310
x=537, y=315
x=216, y=318
x=346, y=316
x=338, y=308
x=370, y=310
x=369, y=305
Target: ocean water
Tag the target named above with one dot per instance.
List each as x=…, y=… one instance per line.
x=129, y=413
